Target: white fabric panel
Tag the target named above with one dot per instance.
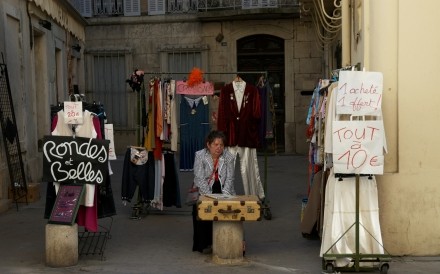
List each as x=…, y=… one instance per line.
x=340, y=218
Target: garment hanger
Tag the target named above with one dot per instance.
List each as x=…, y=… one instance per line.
x=237, y=79
x=137, y=147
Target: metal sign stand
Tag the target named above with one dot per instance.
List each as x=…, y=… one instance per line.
x=11, y=140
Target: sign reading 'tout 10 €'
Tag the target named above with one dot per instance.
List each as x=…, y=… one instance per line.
x=358, y=144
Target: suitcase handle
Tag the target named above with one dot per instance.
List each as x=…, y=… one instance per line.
x=225, y=211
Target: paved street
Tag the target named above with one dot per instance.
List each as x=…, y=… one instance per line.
x=161, y=241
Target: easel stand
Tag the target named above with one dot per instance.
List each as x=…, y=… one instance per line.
x=382, y=260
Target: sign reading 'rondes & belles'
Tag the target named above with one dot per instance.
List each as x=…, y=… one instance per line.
x=79, y=160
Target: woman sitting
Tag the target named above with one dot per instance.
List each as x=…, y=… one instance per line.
x=213, y=174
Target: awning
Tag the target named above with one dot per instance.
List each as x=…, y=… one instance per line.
x=65, y=15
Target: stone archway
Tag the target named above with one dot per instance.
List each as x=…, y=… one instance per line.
x=262, y=52
x=285, y=35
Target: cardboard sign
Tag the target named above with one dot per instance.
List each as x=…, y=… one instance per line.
x=109, y=135
x=205, y=88
x=66, y=204
x=359, y=93
x=73, y=113
x=358, y=147
x=75, y=160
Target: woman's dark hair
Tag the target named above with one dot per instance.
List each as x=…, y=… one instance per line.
x=215, y=134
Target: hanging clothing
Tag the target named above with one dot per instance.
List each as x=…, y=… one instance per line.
x=249, y=170
x=241, y=124
x=171, y=184
x=213, y=111
x=88, y=129
x=173, y=112
x=194, y=127
x=266, y=126
x=149, y=141
x=159, y=168
x=340, y=215
x=135, y=175
x=313, y=209
x=98, y=199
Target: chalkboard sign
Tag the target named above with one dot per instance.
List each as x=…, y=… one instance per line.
x=75, y=160
x=66, y=204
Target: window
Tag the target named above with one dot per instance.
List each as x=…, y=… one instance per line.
x=109, y=87
x=132, y=8
x=253, y=4
x=156, y=7
x=184, y=62
x=108, y=7
x=84, y=7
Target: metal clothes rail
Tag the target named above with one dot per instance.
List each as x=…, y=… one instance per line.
x=265, y=203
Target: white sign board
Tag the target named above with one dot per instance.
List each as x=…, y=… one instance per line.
x=73, y=113
x=359, y=93
x=358, y=147
x=109, y=135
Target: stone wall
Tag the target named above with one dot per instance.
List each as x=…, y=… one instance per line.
x=147, y=36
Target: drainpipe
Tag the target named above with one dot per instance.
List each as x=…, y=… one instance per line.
x=366, y=34
x=346, y=44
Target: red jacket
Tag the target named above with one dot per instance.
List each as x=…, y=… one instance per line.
x=241, y=128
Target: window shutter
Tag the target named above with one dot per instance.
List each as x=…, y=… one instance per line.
x=132, y=7
x=85, y=8
x=269, y=3
x=156, y=7
x=254, y=4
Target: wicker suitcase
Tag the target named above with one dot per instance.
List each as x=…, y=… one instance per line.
x=234, y=208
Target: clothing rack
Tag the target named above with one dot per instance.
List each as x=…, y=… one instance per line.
x=208, y=73
x=90, y=243
x=357, y=257
x=265, y=204
x=152, y=73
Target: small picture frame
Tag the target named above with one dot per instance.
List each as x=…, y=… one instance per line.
x=66, y=204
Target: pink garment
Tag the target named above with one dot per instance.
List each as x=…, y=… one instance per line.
x=88, y=215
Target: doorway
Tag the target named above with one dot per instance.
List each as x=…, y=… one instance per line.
x=266, y=53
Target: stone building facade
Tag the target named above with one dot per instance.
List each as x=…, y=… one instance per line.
x=218, y=40
x=40, y=45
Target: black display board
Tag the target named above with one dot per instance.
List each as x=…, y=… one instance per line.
x=75, y=160
x=66, y=204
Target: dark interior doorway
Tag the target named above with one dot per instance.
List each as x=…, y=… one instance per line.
x=266, y=53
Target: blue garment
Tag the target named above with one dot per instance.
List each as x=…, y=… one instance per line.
x=194, y=127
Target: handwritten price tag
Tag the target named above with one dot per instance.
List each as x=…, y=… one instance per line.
x=205, y=88
x=73, y=113
x=358, y=146
x=109, y=135
x=359, y=93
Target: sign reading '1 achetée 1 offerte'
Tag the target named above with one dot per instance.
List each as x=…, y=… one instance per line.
x=359, y=93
